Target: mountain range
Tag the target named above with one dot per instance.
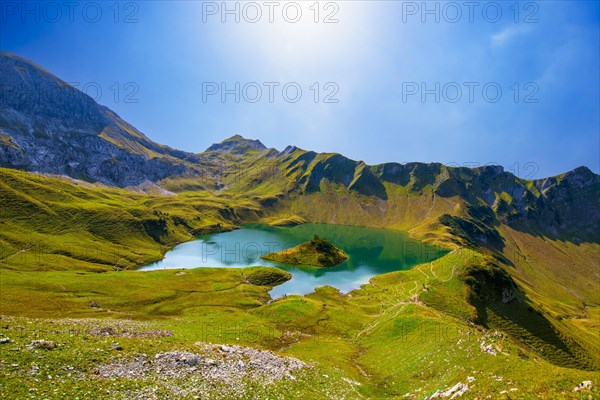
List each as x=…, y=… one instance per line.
x=76, y=171
x=48, y=126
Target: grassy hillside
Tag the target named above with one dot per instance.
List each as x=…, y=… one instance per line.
x=51, y=223
x=407, y=332
x=507, y=312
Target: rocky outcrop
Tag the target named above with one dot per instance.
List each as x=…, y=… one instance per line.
x=46, y=125
x=212, y=363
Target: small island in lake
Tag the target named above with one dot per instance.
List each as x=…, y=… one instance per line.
x=317, y=252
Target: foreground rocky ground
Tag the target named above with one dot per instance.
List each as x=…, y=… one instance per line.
x=89, y=358
x=199, y=373
x=125, y=359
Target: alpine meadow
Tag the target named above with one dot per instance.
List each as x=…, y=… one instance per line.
x=130, y=269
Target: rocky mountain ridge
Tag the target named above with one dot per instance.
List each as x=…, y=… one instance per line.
x=49, y=126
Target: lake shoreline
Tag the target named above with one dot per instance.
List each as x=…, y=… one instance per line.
x=372, y=252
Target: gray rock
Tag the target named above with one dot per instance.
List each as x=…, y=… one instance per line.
x=508, y=295
x=191, y=361
x=210, y=362
x=42, y=344
x=225, y=349
x=585, y=385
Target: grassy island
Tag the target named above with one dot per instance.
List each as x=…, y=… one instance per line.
x=317, y=252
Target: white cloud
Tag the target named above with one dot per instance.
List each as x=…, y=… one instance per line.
x=501, y=38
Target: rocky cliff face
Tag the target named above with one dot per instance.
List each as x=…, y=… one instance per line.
x=47, y=125
x=565, y=204
x=570, y=202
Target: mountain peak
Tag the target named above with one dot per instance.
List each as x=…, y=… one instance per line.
x=237, y=144
x=581, y=170
x=289, y=150
x=235, y=137
x=581, y=176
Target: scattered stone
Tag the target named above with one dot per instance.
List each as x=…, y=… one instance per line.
x=117, y=347
x=107, y=331
x=210, y=362
x=94, y=304
x=350, y=381
x=34, y=370
x=125, y=333
x=42, y=344
x=470, y=379
x=236, y=364
x=4, y=340
x=225, y=349
x=585, y=385
x=455, y=391
x=191, y=360
x=487, y=348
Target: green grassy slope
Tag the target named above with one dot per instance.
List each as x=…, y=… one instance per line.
x=408, y=332
x=56, y=223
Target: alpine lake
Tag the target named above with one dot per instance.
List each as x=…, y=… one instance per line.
x=371, y=252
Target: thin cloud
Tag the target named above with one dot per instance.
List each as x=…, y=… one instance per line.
x=507, y=34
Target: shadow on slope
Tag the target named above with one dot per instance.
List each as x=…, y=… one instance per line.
x=499, y=304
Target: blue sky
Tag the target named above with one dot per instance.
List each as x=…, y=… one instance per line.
x=408, y=87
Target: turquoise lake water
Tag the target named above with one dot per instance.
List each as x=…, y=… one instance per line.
x=371, y=252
